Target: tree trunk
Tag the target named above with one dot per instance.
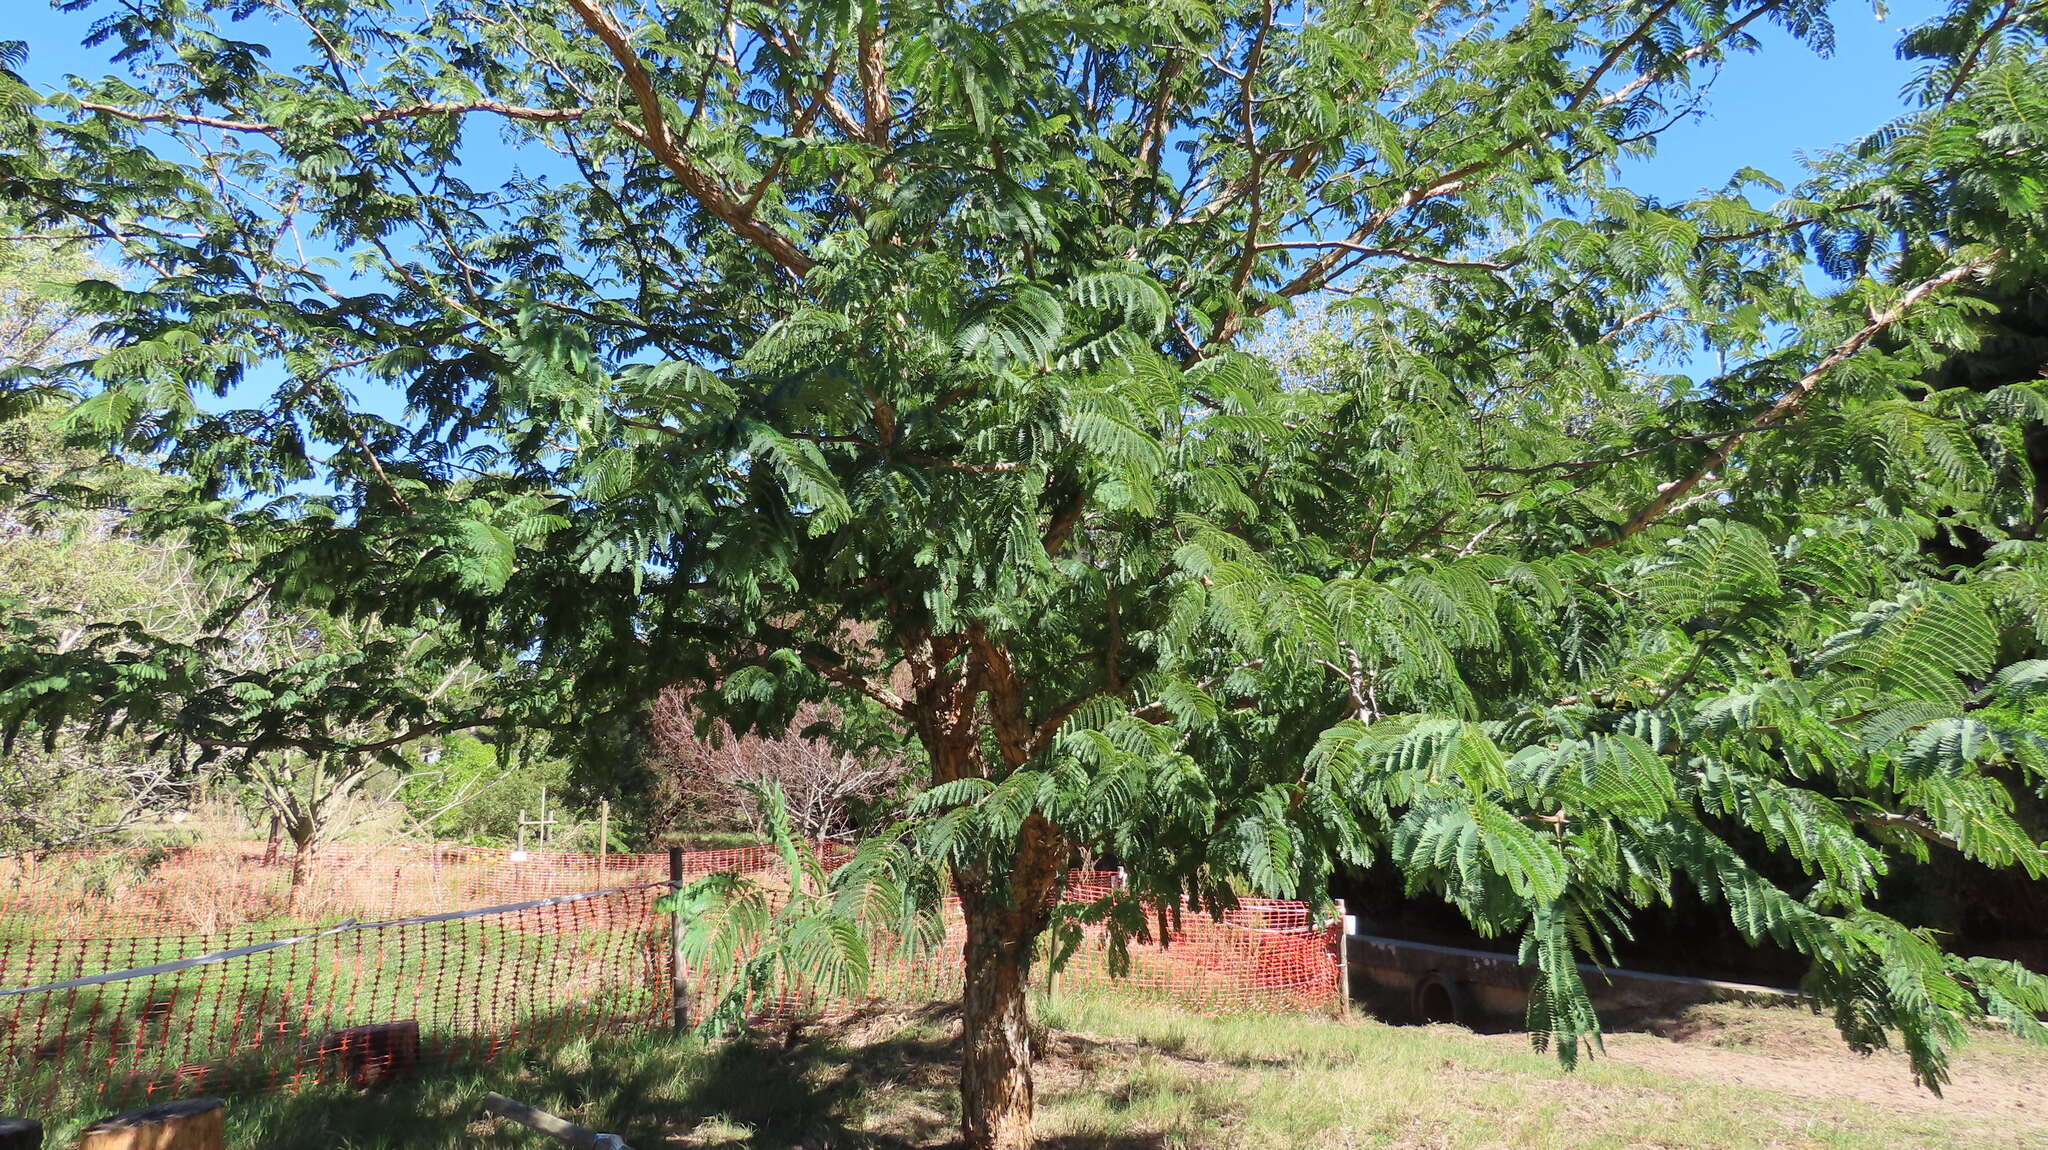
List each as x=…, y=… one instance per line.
x=302, y=867
x=1002, y=928
x=1006, y=903
x=995, y=1051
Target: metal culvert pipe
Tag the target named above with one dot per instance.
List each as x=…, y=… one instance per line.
x=1440, y=998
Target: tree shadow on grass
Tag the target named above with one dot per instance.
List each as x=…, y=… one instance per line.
x=887, y=1079
x=633, y=1086
x=884, y=1081
x=894, y=1094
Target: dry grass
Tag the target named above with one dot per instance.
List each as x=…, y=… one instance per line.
x=1121, y=1077
x=1252, y=1082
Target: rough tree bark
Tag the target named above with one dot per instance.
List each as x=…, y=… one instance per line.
x=1004, y=913
x=1004, y=922
x=304, y=834
x=995, y=1053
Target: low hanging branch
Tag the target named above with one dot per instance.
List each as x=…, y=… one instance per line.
x=1792, y=401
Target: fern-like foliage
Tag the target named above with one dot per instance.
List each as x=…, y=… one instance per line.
x=803, y=933
x=1240, y=442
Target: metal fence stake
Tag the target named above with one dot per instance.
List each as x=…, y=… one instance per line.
x=678, y=976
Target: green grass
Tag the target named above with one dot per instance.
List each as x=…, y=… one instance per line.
x=1118, y=1076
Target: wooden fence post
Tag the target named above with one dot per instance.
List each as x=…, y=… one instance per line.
x=678, y=976
x=1343, y=960
x=604, y=835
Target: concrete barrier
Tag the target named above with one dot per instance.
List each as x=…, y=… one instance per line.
x=1402, y=981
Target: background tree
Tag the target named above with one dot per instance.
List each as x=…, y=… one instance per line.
x=77, y=570
x=806, y=347
x=39, y=322
x=59, y=545
x=314, y=790
x=467, y=790
x=84, y=592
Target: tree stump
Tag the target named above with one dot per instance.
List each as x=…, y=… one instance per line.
x=375, y=1054
x=191, y=1124
x=21, y=1134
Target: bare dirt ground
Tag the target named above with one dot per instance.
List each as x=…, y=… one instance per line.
x=1794, y=1052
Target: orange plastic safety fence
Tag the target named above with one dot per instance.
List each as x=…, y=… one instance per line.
x=365, y=997
x=321, y=1009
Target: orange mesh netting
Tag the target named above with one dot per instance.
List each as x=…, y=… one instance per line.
x=102, y=1004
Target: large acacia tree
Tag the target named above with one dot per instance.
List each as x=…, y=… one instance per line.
x=908, y=352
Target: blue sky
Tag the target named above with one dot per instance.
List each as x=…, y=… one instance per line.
x=1769, y=108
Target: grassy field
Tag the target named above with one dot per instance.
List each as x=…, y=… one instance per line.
x=1118, y=1077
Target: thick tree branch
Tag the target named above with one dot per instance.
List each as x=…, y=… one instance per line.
x=874, y=76
x=1574, y=466
x=835, y=110
x=831, y=666
x=653, y=133
x=1614, y=54
x=1324, y=268
x=1970, y=59
x=1689, y=55
x=1389, y=253
x=1790, y=403
x=801, y=130
x=1156, y=119
x=1015, y=735
x=1248, y=259
x=1063, y=523
x=409, y=735
x=1919, y=825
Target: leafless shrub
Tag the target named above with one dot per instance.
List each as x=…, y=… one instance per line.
x=705, y=779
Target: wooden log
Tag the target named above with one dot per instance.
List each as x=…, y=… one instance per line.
x=21, y=1134
x=376, y=1054
x=560, y=1129
x=191, y=1124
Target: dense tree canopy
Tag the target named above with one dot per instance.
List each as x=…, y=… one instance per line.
x=937, y=358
